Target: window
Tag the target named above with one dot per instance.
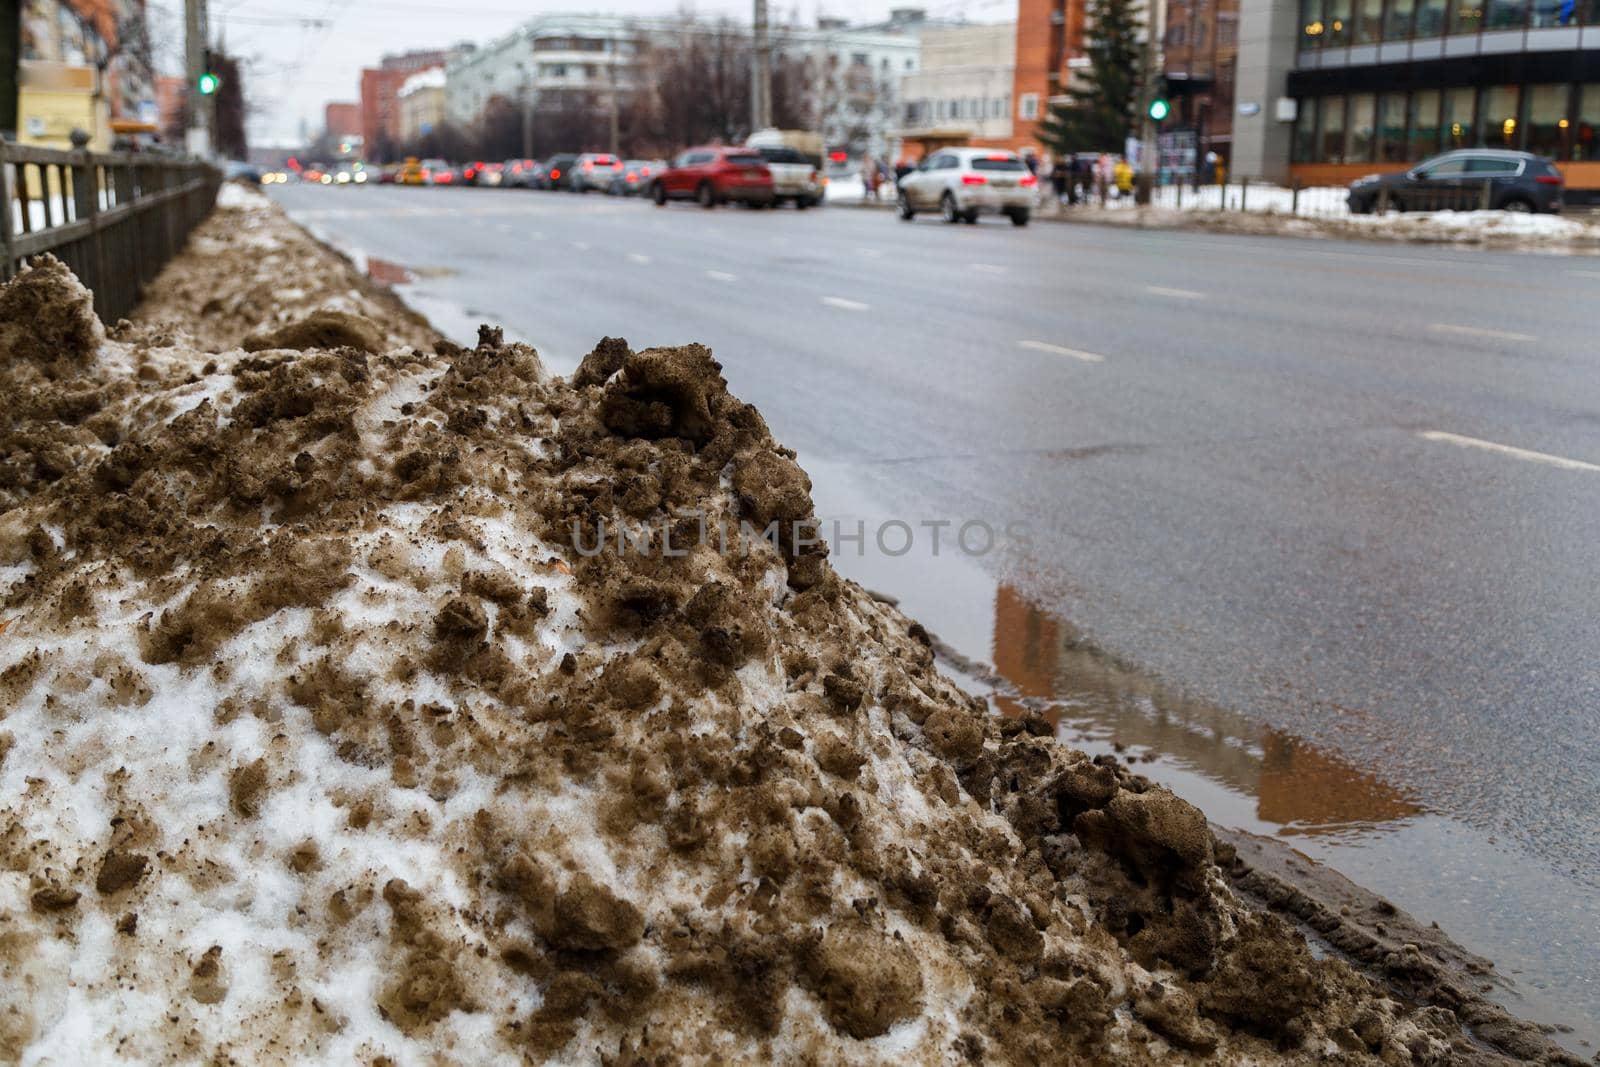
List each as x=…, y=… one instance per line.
x=1392, y=127
x=1507, y=15
x=1587, y=143
x=860, y=59
x=1449, y=168
x=1305, y=131
x=1397, y=21
x=1312, y=30
x=1548, y=125
x=1338, y=30
x=1466, y=16
x=1332, y=130
x=1359, y=127
x=1369, y=22
x=1028, y=106
x=1458, y=120
x=1498, y=126
x=1431, y=18
x=1424, y=124
x=1489, y=166
x=1548, y=13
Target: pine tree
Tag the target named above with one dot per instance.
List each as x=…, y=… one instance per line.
x=1098, y=116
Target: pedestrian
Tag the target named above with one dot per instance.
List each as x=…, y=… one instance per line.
x=1122, y=173
x=869, y=178
x=1060, y=180
x=1103, y=175
x=1075, y=180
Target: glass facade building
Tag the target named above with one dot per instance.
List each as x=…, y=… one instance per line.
x=1394, y=81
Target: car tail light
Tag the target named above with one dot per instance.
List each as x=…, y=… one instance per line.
x=616, y=166
x=974, y=179
x=645, y=171
x=1028, y=179
x=633, y=177
x=555, y=174
x=1548, y=179
x=1000, y=156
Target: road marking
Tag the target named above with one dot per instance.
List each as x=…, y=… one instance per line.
x=638, y=257
x=988, y=268
x=1479, y=331
x=582, y=246
x=870, y=253
x=846, y=305
x=1510, y=450
x=537, y=235
x=1061, y=350
x=1176, y=294
x=721, y=276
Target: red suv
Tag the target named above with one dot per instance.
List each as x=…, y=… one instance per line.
x=715, y=174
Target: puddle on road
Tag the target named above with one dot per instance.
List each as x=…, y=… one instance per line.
x=1298, y=789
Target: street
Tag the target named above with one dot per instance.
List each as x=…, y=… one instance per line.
x=1347, y=492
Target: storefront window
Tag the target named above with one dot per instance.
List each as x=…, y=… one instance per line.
x=1305, y=131
x=1431, y=17
x=1586, y=144
x=1424, y=124
x=1458, y=121
x=1313, y=31
x=1507, y=14
x=1332, y=129
x=1548, y=13
x=1392, y=127
x=1338, y=32
x=1549, y=125
x=1397, y=24
x=1360, y=123
x=1369, y=22
x=1466, y=16
x=1499, y=125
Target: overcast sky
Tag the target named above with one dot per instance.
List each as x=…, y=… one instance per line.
x=302, y=53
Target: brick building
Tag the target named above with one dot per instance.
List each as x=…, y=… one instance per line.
x=380, y=94
x=1050, y=33
x=342, y=119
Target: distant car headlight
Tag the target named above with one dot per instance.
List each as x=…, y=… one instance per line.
x=361, y=178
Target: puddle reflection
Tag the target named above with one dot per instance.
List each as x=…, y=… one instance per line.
x=1099, y=704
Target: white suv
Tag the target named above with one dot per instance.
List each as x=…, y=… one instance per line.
x=963, y=183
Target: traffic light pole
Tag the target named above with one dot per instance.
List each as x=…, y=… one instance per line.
x=198, y=112
x=1156, y=11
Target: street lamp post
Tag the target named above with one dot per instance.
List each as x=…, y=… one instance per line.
x=527, y=115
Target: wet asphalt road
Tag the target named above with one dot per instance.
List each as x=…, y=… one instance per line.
x=1227, y=450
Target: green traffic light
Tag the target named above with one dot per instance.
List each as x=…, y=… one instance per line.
x=1159, y=109
x=209, y=83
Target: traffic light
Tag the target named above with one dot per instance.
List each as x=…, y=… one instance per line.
x=208, y=83
x=1160, y=108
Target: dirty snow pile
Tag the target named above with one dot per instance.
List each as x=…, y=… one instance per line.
x=248, y=270
x=323, y=739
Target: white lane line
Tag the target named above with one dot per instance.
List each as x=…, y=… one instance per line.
x=988, y=268
x=1061, y=350
x=582, y=246
x=870, y=253
x=639, y=258
x=537, y=235
x=1479, y=331
x=1176, y=294
x=721, y=276
x=1509, y=450
x=846, y=305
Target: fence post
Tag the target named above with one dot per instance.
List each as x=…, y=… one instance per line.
x=1486, y=198
x=8, y=204
x=1244, y=191
x=1294, y=197
x=1383, y=200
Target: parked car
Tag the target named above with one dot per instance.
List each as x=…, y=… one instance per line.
x=558, y=171
x=715, y=174
x=481, y=173
x=1456, y=181
x=634, y=177
x=964, y=183
x=594, y=170
x=521, y=173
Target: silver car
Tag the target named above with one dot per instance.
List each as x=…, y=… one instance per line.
x=963, y=183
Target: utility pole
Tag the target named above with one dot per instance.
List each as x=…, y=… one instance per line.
x=1155, y=11
x=198, y=112
x=761, y=72
x=527, y=115
x=612, y=67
